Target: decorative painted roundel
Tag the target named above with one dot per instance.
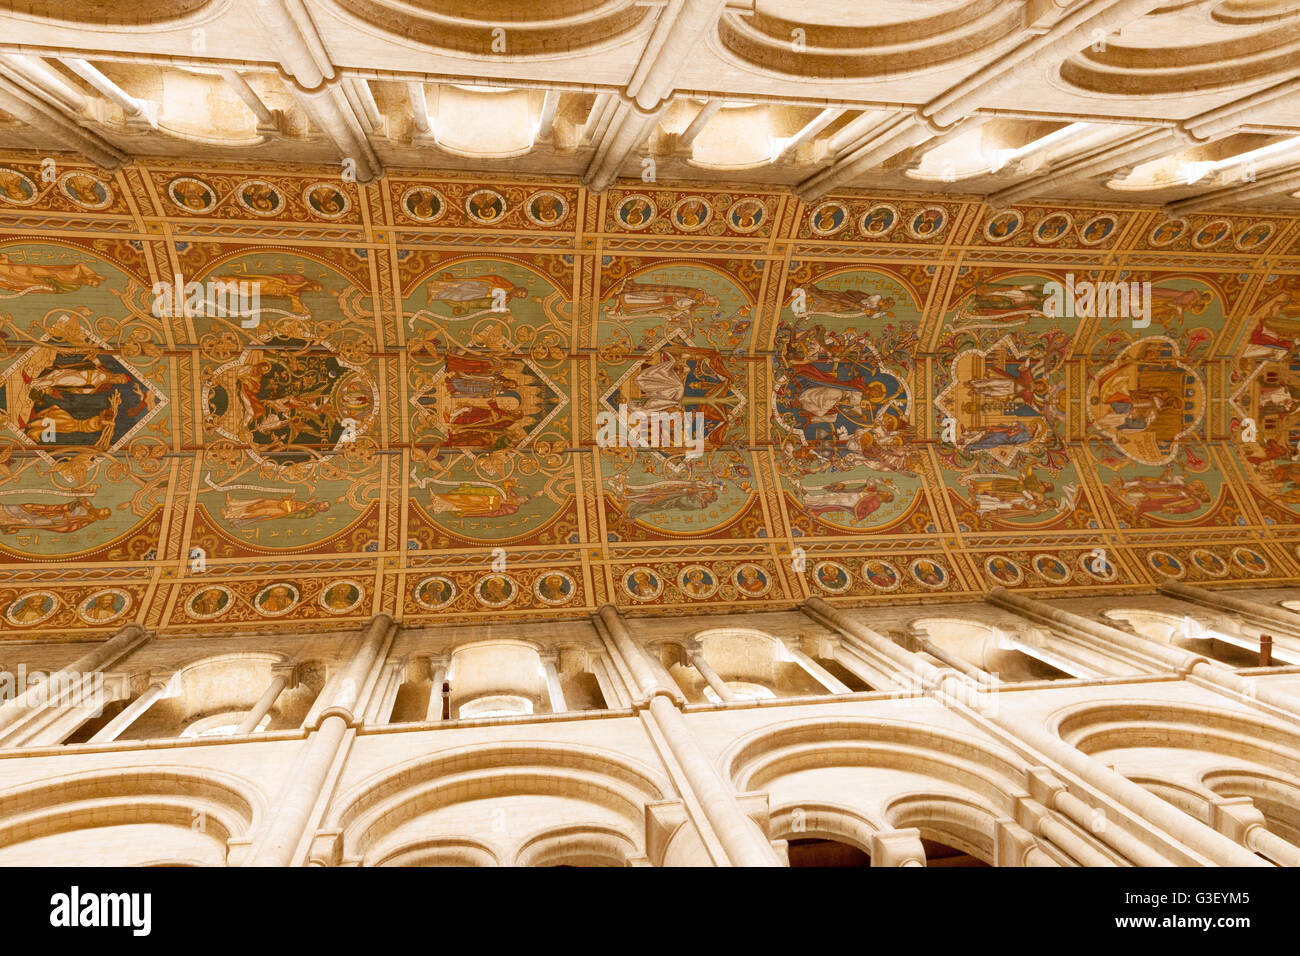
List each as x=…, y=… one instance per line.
x=1003, y=570
x=698, y=582
x=1051, y=568
x=832, y=577
x=340, y=597
x=423, y=204
x=642, y=584
x=434, y=593
x=32, y=608
x=554, y=588
x=881, y=575
x=828, y=218
x=1162, y=562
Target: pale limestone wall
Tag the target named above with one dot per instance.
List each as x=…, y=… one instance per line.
x=1173, y=759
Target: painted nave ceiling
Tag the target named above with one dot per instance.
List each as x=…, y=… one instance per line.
x=472, y=249
x=920, y=424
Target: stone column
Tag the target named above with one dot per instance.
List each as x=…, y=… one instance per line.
x=297, y=802
x=608, y=689
x=740, y=837
x=627, y=129
x=266, y=120
x=818, y=673
x=952, y=689
x=264, y=704
x=130, y=713
x=1175, y=658
x=1239, y=819
x=437, y=678
x=1224, y=601
x=104, y=655
x=682, y=27
x=554, y=689
x=695, y=654
x=897, y=848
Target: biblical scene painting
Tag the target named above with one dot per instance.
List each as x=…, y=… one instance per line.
x=656, y=398
x=843, y=413
x=489, y=404
x=675, y=395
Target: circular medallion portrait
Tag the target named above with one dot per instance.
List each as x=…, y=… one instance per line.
x=434, y=593
x=191, y=195
x=746, y=215
x=340, y=597
x=635, y=212
x=928, y=573
x=104, y=606
x=546, y=208
x=691, y=214
x=32, y=608
x=881, y=575
x=1051, y=568
x=1098, y=229
x=928, y=223
x=697, y=582
x=1162, y=562
x=878, y=221
x=495, y=590
x=1098, y=565
x=554, y=588
x=326, y=201
x=485, y=206
x=1003, y=570
x=832, y=577
x=1252, y=561
x=1167, y=231
x=828, y=218
x=1002, y=226
x=1254, y=236
x=751, y=580
x=259, y=197
x=1053, y=228
x=17, y=188
x=276, y=599
x=423, y=204
x=209, y=602
x=1212, y=233
x=1209, y=562
x=642, y=584
x=87, y=191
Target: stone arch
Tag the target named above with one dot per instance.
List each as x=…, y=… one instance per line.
x=540, y=30
x=951, y=786
x=117, y=17
x=826, y=821
x=1133, y=723
x=210, y=686
x=441, y=852
x=1276, y=796
x=989, y=647
x=165, y=800
x=963, y=824
x=385, y=814
x=987, y=771
x=576, y=846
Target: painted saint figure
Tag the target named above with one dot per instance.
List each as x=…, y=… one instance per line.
x=243, y=512
x=63, y=518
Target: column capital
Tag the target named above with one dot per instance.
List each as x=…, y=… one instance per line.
x=897, y=848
